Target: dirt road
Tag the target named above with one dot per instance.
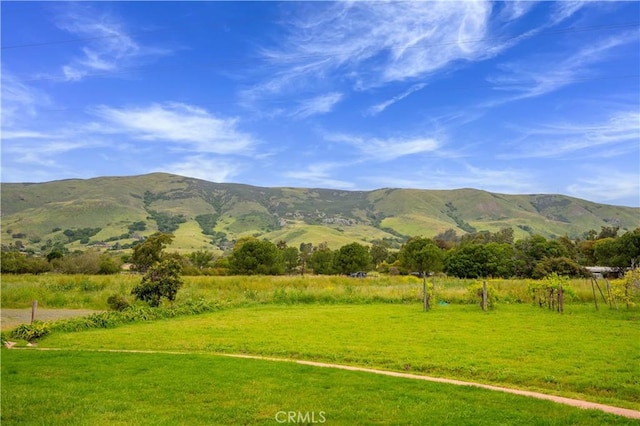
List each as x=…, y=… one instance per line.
x=10, y=318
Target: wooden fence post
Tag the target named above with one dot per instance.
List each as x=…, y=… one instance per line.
x=34, y=308
x=425, y=300
x=593, y=287
x=484, y=295
x=560, y=299
x=425, y=292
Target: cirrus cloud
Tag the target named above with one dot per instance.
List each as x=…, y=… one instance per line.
x=187, y=126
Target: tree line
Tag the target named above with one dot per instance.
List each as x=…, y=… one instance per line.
x=473, y=255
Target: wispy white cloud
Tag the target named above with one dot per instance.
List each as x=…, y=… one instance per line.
x=563, y=10
x=319, y=175
x=19, y=100
x=508, y=180
x=378, y=108
x=206, y=168
x=41, y=152
x=109, y=45
x=372, y=44
x=515, y=9
x=618, y=134
x=319, y=105
x=388, y=149
x=178, y=127
x=464, y=175
x=191, y=127
x=609, y=185
x=542, y=75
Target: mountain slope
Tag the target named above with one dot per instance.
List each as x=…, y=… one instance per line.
x=206, y=215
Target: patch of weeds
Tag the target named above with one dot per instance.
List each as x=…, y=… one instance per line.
x=31, y=332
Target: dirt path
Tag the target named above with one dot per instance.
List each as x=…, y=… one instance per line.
x=11, y=318
x=625, y=412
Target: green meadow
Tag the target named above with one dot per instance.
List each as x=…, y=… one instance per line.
x=92, y=291
x=373, y=322
x=581, y=354
x=89, y=388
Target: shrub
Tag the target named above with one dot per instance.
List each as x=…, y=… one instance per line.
x=560, y=265
x=475, y=295
x=117, y=302
x=545, y=292
x=31, y=332
x=161, y=280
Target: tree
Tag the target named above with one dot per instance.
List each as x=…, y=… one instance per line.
x=585, y=253
x=201, y=259
x=618, y=252
x=379, y=252
x=58, y=250
x=14, y=262
x=87, y=262
x=503, y=236
x=108, y=265
x=321, y=261
x=422, y=255
x=251, y=256
x=480, y=260
x=608, y=232
x=291, y=259
x=351, y=258
x=149, y=251
x=447, y=239
x=161, y=280
x=559, y=265
x=305, y=254
x=531, y=250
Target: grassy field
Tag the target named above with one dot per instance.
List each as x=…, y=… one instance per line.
x=374, y=322
x=92, y=291
x=582, y=354
x=89, y=388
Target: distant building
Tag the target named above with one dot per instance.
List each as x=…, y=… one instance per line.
x=604, y=271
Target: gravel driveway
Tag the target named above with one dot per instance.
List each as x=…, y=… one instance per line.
x=11, y=318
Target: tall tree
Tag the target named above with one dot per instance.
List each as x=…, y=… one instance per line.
x=351, y=258
x=305, y=254
x=321, y=261
x=422, y=255
x=291, y=259
x=619, y=252
x=150, y=250
x=251, y=256
x=201, y=259
x=379, y=252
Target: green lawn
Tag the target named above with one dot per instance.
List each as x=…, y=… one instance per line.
x=373, y=322
x=91, y=388
x=582, y=354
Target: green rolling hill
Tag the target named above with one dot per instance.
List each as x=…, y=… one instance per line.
x=116, y=211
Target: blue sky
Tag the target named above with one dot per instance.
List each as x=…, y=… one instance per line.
x=514, y=97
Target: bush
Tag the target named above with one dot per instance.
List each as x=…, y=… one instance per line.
x=475, y=295
x=161, y=280
x=545, y=292
x=31, y=332
x=133, y=313
x=560, y=265
x=117, y=302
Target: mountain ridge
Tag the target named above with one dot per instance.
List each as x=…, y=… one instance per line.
x=210, y=215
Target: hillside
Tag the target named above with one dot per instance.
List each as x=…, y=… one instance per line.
x=115, y=211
